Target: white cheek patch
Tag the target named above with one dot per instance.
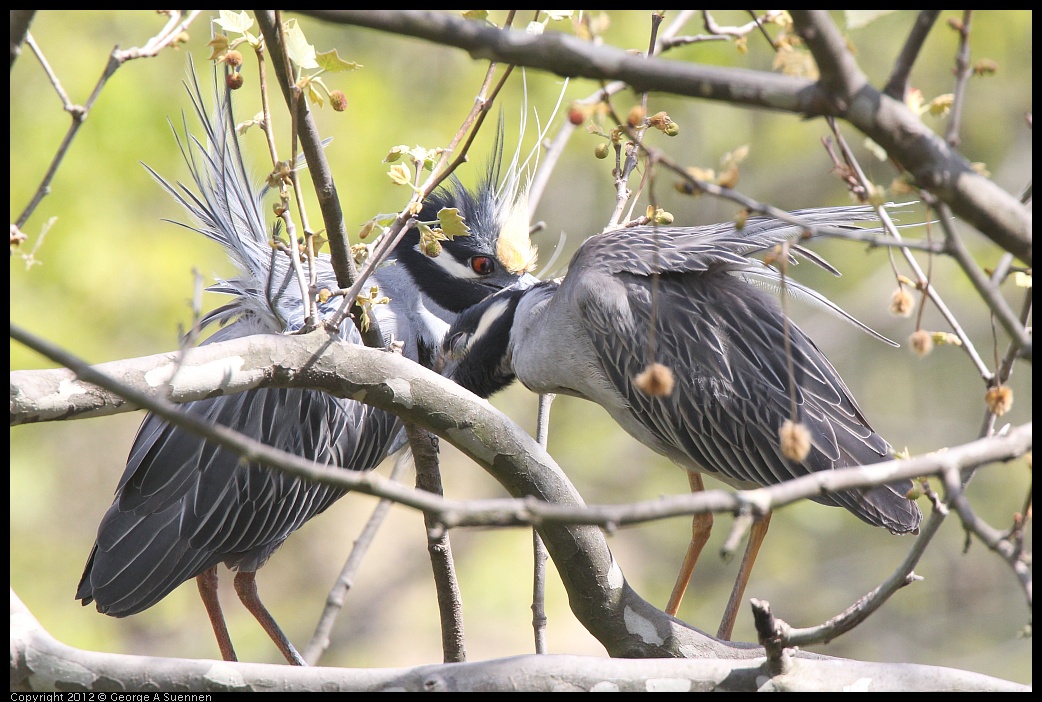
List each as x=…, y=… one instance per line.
x=452, y=267
x=488, y=318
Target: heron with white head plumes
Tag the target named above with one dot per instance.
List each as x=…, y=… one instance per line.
x=183, y=505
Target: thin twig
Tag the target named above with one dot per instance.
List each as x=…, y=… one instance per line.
x=962, y=73
x=79, y=113
x=299, y=111
x=322, y=178
x=538, y=548
x=897, y=84
x=922, y=279
x=424, y=447
x=441, y=171
x=903, y=575
x=987, y=291
x=556, y=148
x=1005, y=367
x=1012, y=552
x=452, y=513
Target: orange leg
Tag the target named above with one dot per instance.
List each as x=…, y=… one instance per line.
x=701, y=526
x=756, y=534
x=246, y=588
x=207, y=582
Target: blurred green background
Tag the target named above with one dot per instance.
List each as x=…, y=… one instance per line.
x=114, y=281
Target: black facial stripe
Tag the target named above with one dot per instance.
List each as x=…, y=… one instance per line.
x=447, y=290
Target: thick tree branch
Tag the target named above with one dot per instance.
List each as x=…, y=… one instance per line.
x=897, y=83
x=391, y=382
x=19, y=26
x=600, y=597
x=40, y=663
x=935, y=165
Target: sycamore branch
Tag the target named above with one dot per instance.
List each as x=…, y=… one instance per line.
x=39, y=661
x=318, y=361
x=843, y=92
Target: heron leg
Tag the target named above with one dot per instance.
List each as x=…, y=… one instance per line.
x=701, y=526
x=207, y=583
x=756, y=534
x=246, y=588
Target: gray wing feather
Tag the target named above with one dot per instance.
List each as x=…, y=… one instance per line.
x=184, y=505
x=648, y=250
x=722, y=337
x=227, y=209
x=771, y=281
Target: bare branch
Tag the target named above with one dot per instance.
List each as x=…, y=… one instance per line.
x=393, y=383
x=985, y=288
x=38, y=659
x=935, y=165
x=897, y=84
x=424, y=447
x=321, y=176
x=19, y=27
x=601, y=598
x=175, y=25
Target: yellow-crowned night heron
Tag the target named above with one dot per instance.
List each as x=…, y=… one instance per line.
x=709, y=318
x=183, y=505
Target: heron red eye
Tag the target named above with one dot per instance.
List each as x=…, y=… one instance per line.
x=482, y=265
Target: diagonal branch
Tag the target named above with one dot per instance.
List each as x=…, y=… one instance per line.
x=934, y=164
x=322, y=177
x=600, y=597
x=393, y=383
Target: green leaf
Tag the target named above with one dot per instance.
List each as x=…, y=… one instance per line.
x=330, y=61
x=243, y=126
x=399, y=174
x=875, y=149
x=234, y=22
x=315, y=96
x=396, y=153
x=417, y=153
x=367, y=229
x=301, y=53
x=220, y=46
x=427, y=233
x=451, y=223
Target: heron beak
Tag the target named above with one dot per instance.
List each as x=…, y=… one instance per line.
x=525, y=281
